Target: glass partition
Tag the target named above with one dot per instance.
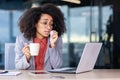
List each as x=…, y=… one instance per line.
x=82, y=26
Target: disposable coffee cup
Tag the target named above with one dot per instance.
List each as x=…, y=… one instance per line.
x=34, y=49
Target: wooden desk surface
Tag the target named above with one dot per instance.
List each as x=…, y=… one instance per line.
x=97, y=74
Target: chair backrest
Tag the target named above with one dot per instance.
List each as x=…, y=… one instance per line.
x=9, y=56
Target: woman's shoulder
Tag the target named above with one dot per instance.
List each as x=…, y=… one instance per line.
x=21, y=37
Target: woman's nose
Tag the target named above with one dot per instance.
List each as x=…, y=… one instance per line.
x=48, y=26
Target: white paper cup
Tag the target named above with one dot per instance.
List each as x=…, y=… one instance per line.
x=34, y=49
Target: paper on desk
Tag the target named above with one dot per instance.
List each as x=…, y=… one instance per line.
x=11, y=73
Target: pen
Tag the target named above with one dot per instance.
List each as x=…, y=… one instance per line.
x=2, y=72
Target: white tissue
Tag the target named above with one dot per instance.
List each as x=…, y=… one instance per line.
x=51, y=33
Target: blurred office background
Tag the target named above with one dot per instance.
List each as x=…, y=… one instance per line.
x=86, y=21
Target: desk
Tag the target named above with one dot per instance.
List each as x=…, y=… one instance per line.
x=97, y=74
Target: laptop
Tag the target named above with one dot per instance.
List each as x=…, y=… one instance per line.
x=87, y=61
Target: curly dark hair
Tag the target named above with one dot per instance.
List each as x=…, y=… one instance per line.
x=31, y=17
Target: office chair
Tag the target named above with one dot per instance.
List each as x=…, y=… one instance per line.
x=9, y=56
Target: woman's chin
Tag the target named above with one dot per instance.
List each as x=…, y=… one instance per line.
x=46, y=35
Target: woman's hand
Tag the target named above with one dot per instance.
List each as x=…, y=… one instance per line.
x=26, y=51
x=53, y=38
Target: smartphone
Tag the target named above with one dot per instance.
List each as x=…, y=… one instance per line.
x=39, y=72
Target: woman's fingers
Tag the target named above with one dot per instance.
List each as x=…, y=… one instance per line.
x=26, y=51
x=53, y=38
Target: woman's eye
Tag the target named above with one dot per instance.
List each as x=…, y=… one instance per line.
x=45, y=23
x=51, y=24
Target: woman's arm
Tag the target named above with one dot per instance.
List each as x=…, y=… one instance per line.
x=56, y=54
x=20, y=59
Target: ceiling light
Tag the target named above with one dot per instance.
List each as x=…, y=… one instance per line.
x=35, y=4
x=73, y=1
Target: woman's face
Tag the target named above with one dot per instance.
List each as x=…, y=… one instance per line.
x=44, y=26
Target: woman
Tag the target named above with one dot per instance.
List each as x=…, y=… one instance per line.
x=35, y=25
